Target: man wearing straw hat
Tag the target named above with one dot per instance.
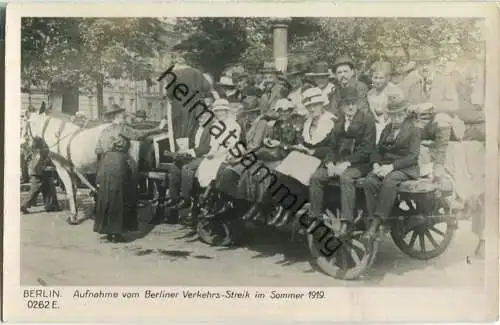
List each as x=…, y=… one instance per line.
x=345, y=73
x=227, y=89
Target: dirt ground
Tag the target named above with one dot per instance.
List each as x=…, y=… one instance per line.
x=55, y=253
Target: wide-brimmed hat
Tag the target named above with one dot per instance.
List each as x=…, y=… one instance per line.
x=320, y=70
x=141, y=114
x=396, y=104
x=114, y=110
x=343, y=60
x=221, y=105
x=296, y=69
x=226, y=82
x=349, y=95
x=425, y=55
x=314, y=95
x=284, y=78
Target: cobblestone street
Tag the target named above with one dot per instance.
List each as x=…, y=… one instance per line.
x=54, y=253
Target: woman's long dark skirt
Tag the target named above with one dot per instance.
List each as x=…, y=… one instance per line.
x=116, y=196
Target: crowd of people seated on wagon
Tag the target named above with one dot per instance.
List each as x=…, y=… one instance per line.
x=355, y=130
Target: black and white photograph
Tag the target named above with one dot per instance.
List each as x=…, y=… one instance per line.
x=295, y=151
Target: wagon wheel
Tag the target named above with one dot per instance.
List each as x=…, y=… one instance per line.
x=213, y=231
x=424, y=237
x=345, y=257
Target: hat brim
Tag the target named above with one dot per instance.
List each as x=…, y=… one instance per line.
x=221, y=108
x=114, y=112
x=396, y=111
x=317, y=75
x=338, y=64
x=225, y=85
x=314, y=101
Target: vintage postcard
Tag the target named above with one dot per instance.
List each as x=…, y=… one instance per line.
x=225, y=162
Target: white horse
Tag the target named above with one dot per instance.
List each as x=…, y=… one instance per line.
x=71, y=150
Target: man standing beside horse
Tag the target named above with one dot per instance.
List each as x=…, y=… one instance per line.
x=40, y=181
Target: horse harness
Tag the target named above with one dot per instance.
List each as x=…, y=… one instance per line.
x=59, y=138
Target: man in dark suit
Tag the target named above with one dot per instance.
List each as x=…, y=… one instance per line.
x=40, y=180
x=181, y=175
x=353, y=140
x=395, y=160
x=345, y=73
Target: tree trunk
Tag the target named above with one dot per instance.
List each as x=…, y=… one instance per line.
x=100, y=96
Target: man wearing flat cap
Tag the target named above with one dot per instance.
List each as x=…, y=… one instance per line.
x=344, y=70
x=352, y=143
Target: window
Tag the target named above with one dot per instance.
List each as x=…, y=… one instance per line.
x=111, y=101
x=122, y=102
x=150, y=106
x=132, y=104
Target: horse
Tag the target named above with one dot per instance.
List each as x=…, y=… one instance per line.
x=71, y=150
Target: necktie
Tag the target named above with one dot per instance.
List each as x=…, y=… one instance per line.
x=427, y=86
x=347, y=124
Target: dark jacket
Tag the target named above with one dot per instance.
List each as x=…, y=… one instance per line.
x=335, y=97
x=40, y=157
x=403, y=151
x=357, y=144
x=204, y=145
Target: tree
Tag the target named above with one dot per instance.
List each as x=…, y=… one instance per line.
x=216, y=43
x=213, y=43
x=88, y=52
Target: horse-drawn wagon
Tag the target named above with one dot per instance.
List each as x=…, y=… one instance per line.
x=421, y=225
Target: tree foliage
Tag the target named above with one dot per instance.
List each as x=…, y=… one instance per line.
x=215, y=42
x=88, y=52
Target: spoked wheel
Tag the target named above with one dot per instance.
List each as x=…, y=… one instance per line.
x=344, y=257
x=213, y=231
x=424, y=237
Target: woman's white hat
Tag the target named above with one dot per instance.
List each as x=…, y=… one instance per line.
x=226, y=81
x=314, y=95
x=221, y=105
